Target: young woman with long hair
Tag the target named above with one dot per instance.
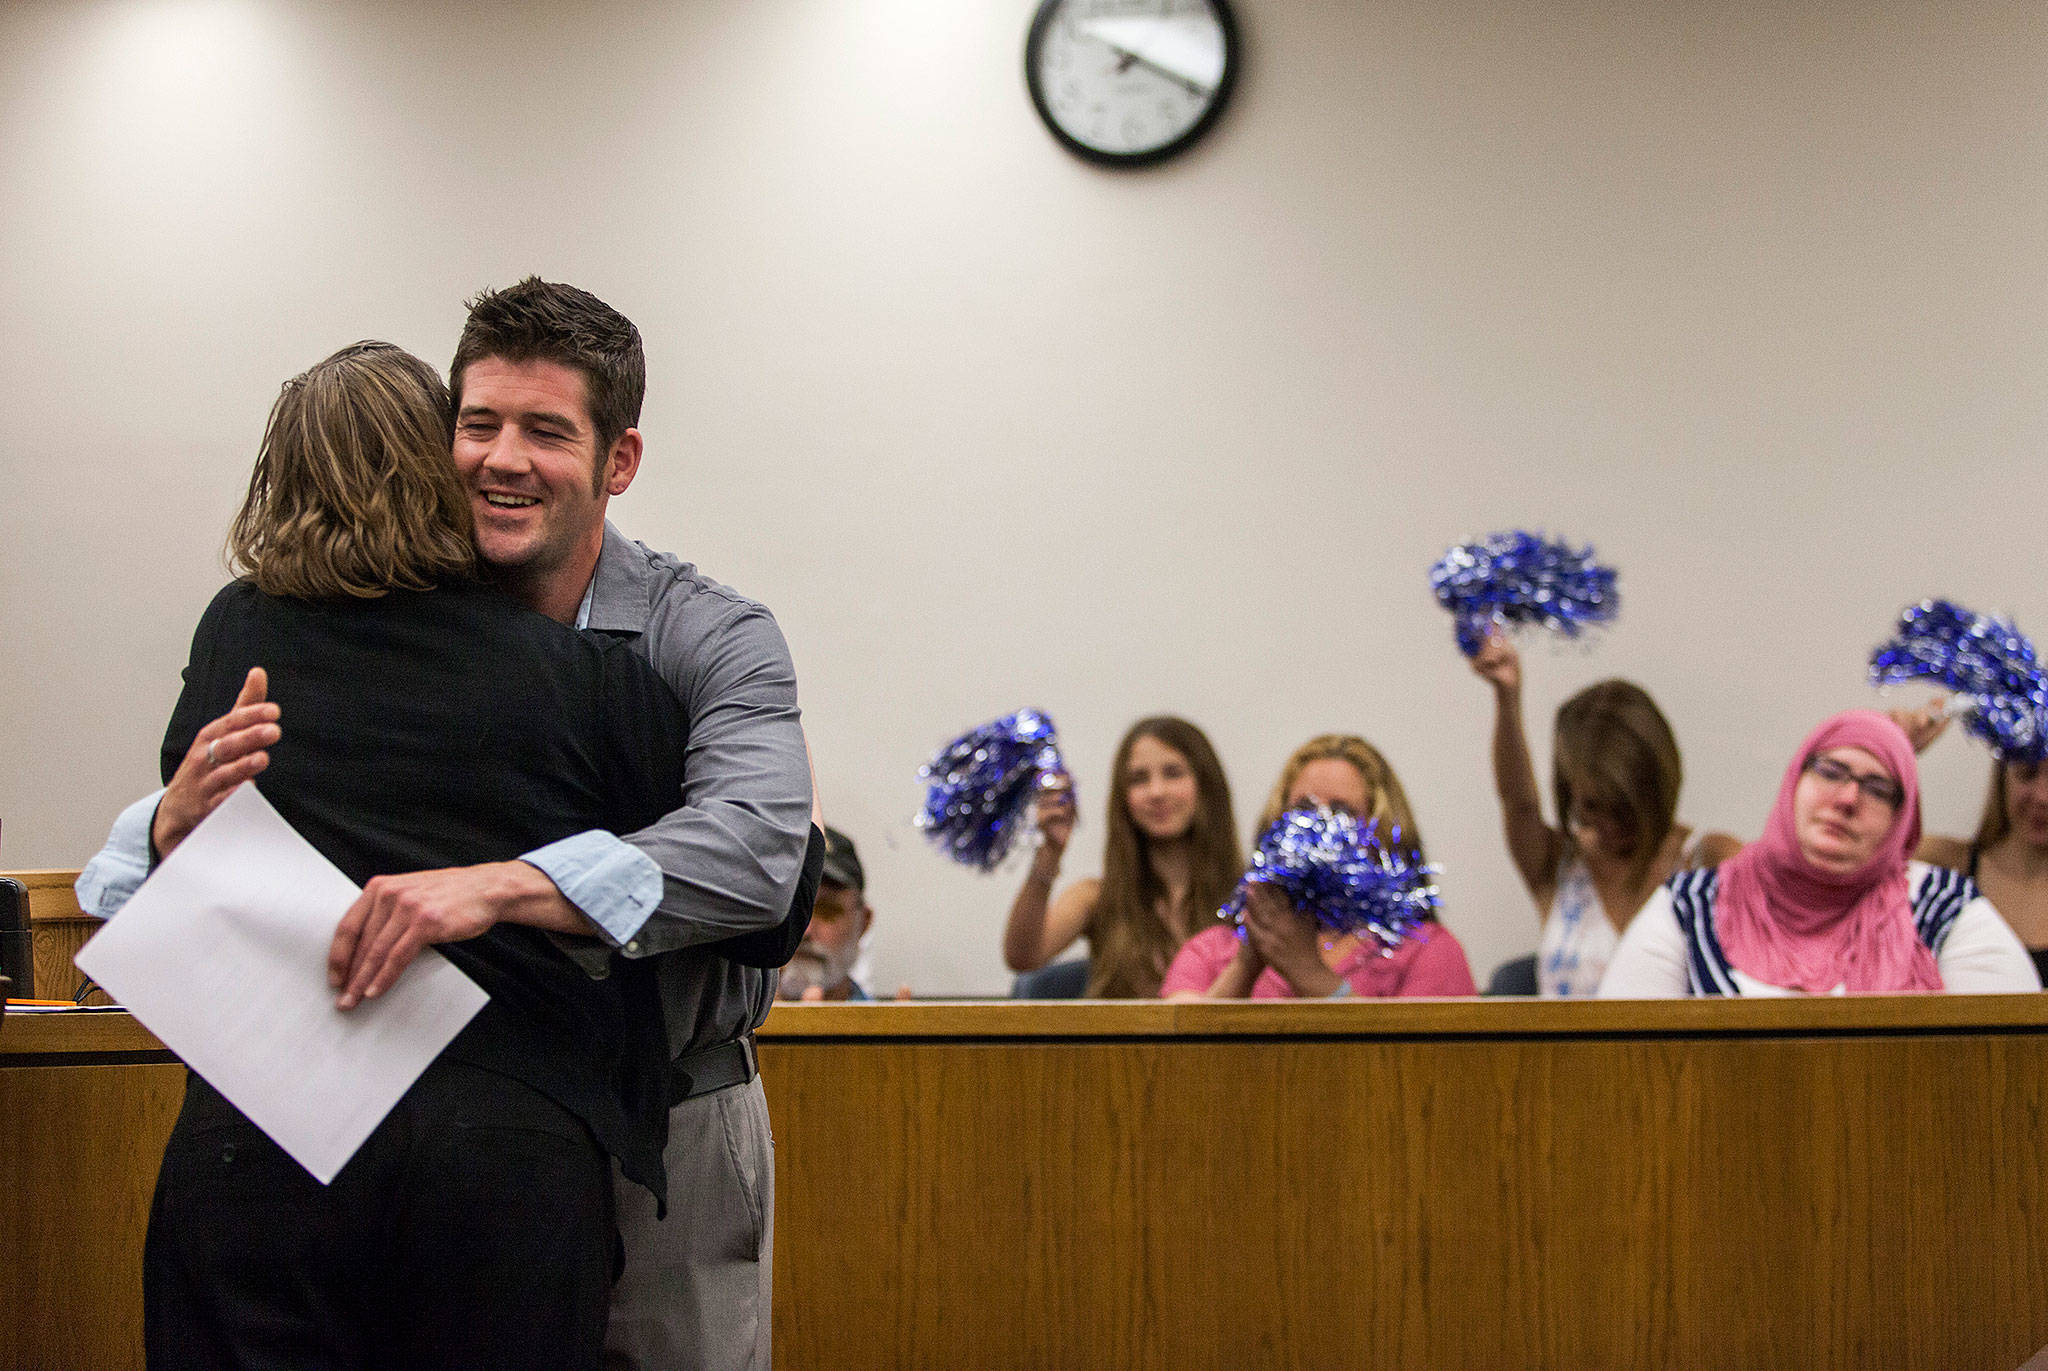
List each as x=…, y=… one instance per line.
x=1284, y=953
x=2008, y=857
x=1170, y=859
x=1615, y=779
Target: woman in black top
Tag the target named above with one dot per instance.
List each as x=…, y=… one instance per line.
x=434, y=722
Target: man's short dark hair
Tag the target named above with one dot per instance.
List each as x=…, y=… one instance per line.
x=545, y=321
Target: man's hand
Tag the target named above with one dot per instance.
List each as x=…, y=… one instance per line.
x=223, y=754
x=396, y=916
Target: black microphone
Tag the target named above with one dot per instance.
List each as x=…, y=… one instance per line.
x=17, y=962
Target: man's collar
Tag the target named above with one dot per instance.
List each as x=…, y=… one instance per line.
x=617, y=599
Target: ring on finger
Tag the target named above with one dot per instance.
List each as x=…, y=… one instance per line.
x=212, y=760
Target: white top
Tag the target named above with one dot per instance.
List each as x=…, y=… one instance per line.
x=1981, y=956
x=1578, y=937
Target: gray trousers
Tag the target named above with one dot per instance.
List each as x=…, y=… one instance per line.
x=695, y=1293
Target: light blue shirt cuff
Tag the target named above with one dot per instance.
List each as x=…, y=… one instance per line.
x=615, y=885
x=118, y=870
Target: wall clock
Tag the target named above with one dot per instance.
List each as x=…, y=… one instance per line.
x=1128, y=82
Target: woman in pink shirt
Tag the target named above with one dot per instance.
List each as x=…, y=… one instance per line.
x=1286, y=954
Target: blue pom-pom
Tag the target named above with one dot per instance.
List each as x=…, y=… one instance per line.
x=1337, y=868
x=1519, y=578
x=978, y=789
x=1986, y=660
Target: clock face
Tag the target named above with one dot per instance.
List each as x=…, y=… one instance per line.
x=1130, y=81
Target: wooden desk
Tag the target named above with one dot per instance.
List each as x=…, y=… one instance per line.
x=1799, y=1184
x=86, y=1102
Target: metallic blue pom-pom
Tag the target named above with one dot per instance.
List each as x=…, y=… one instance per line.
x=978, y=789
x=1519, y=578
x=1982, y=658
x=1337, y=868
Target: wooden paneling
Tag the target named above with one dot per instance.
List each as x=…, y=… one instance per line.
x=1808, y=1184
x=1503, y=1191
x=79, y=1147
x=1022, y=1020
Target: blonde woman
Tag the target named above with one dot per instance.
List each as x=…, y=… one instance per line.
x=1285, y=953
x=2008, y=857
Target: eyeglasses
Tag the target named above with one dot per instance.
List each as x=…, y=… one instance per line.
x=1880, y=788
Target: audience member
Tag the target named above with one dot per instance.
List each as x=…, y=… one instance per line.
x=1826, y=902
x=1615, y=777
x=1170, y=860
x=822, y=968
x=2008, y=859
x=1284, y=952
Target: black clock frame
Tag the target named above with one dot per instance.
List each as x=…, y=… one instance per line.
x=1048, y=12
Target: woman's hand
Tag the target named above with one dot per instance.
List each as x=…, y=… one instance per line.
x=225, y=753
x=1236, y=979
x=1499, y=663
x=1053, y=812
x=1923, y=725
x=1286, y=940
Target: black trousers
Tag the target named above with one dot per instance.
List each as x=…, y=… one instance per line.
x=473, y=1230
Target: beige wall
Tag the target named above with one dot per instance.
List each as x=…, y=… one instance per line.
x=1750, y=295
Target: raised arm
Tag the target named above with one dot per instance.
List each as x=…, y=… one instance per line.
x=1040, y=928
x=1533, y=844
x=1923, y=725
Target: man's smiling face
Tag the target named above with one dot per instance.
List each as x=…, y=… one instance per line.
x=526, y=448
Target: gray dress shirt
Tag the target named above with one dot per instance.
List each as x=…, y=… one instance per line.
x=732, y=853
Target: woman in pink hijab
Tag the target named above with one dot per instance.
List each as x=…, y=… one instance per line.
x=1827, y=902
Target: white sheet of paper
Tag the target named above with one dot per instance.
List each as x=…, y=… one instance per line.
x=223, y=955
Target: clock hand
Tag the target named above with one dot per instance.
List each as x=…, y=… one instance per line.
x=1126, y=58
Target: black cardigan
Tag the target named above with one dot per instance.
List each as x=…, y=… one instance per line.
x=452, y=727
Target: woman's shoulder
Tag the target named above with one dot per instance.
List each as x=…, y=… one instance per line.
x=1217, y=940
x=1429, y=961
x=1920, y=871
x=1083, y=896
x=1937, y=850
x=238, y=598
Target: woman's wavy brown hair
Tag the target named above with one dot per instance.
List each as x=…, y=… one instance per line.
x=1617, y=743
x=1129, y=945
x=354, y=492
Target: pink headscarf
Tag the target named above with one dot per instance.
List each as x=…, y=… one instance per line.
x=1790, y=923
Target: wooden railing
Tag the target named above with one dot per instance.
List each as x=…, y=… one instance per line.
x=1784, y=1183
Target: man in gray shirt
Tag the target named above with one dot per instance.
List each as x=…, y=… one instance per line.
x=547, y=382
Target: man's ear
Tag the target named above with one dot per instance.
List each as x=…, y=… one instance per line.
x=623, y=464
x=867, y=919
